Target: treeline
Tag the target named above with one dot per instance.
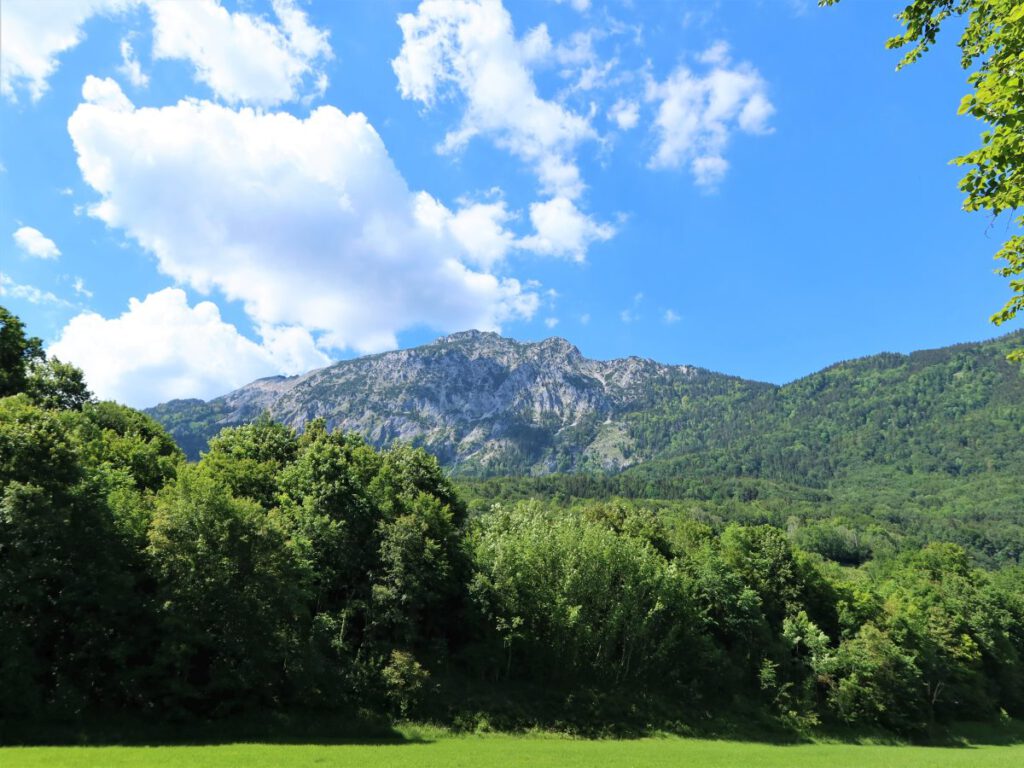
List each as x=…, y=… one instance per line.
x=877, y=512
x=314, y=573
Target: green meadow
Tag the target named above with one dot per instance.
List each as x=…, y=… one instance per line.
x=534, y=751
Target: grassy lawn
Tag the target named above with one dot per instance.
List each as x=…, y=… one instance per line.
x=501, y=750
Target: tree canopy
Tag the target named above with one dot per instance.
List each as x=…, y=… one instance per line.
x=289, y=573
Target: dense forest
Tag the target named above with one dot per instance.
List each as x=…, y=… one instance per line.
x=879, y=454
x=313, y=572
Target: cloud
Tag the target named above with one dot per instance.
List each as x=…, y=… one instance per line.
x=130, y=67
x=585, y=318
x=478, y=227
x=34, y=243
x=536, y=45
x=625, y=114
x=468, y=48
x=550, y=322
x=80, y=289
x=670, y=317
x=579, y=5
x=563, y=230
x=716, y=54
x=161, y=349
x=106, y=94
x=632, y=315
x=697, y=113
x=33, y=34
x=243, y=58
x=307, y=222
x=581, y=62
x=28, y=293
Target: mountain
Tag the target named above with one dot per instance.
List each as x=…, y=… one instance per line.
x=488, y=405
x=956, y=411
x=482, y=403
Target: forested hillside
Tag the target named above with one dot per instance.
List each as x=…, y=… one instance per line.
x=490, y=406
x=878, y=454
x=313, y=573
x=955, y=411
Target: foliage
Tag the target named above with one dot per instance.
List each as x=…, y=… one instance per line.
x=66, y=592
x=866, y=457
x=24, y=367
x=54, y=384
x=230, y=591
x=289, y=573
x=17, y=353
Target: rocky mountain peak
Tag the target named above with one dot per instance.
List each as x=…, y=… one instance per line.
x=478, y=400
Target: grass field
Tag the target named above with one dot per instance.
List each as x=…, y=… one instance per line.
x=501, y=750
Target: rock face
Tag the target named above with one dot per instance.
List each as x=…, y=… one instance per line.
x=482, y=403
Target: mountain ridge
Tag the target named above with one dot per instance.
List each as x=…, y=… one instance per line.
x=488, y=405
x=474, y=398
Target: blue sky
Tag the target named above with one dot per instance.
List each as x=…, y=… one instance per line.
x=195, y=194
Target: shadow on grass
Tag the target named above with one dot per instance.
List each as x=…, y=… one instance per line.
x=321, y=729
x=125, y=729
x=632, y=714
x=1004, y=734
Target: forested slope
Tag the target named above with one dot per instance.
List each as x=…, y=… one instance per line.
x=297, y=574
x=491, y=406
x=955, y=411
x=881, y=453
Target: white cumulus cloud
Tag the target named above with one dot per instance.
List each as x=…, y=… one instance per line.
x=161, y=349
x=468, y=48
x=242, y=57
x=563, y=230
x=696, y=113
x=33, y=34
x=305, y=221
x=625, y=114
x=34, y=243
x=478, y=227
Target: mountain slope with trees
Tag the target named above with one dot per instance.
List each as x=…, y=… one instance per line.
x=882, y=453
x=489, y=406
x=312, y=573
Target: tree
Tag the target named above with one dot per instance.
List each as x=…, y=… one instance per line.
x=25, y=368
x=233, y=596
x=68, y=617
x=16, y=353
x=871, y=679
x=56, y=385
x=993, y=42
